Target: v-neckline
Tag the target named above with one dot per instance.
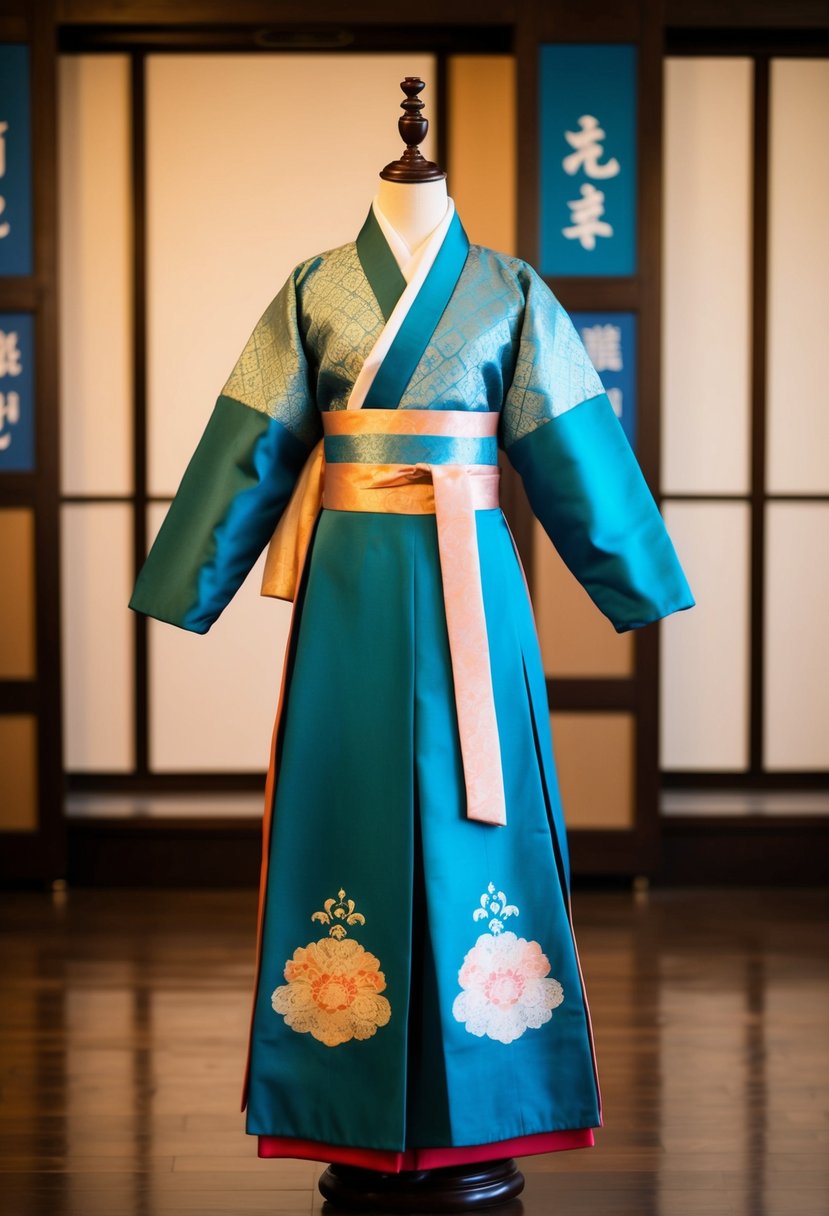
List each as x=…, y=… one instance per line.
x=414, y=316
x=385, y=278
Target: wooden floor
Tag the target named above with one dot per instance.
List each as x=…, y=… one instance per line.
x=123, y=1018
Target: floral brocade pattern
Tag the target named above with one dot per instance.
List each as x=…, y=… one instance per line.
x=504, y=344
x=334, y=984
x=468, y=361
x=505, y=979
x=271, y=374
x=340, y=319
x=553, y=372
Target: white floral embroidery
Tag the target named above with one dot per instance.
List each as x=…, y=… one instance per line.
x=504, y=979
x=498, y=908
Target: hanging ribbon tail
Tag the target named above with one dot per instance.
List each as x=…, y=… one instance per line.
x=288, y=546
x=468, y=643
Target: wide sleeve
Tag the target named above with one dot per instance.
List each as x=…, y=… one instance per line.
x=240, y=477
x=580, y=474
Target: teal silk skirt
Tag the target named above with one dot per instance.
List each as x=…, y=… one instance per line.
x=419, y=986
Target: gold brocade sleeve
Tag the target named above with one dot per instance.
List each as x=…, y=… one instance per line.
x=272, y=374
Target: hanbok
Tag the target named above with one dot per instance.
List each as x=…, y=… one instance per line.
x=418, y=999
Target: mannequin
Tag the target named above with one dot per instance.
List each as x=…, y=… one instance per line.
x=412, y=209
x=419, y=1015
x=410, y=203
x=411, y=196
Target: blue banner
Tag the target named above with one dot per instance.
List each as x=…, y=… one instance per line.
x=610, y=341
x=587, y=159
x=17, y=392
x=15, y=162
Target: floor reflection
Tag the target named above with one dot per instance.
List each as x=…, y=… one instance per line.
x=125, y=1015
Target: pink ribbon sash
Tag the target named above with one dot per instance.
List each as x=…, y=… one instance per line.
x=453, y=492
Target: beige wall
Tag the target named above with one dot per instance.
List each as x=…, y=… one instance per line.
x=576, y=639
x=706, y=275
x=95, y=278
x=482, y=172
x=595, y=756
x=798, y=420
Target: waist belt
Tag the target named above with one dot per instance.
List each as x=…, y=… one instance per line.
x=353, y=469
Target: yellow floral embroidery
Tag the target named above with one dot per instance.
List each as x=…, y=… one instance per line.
x=340, y=909
x=334, y=985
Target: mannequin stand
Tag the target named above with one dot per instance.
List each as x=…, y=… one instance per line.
x=458, y=1188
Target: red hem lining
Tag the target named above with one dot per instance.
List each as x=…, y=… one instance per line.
x=391, y=1162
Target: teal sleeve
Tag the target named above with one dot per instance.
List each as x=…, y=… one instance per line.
x=581, y=476
x=585, y=485
x=239, y=479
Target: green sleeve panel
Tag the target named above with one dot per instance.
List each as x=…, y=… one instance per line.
x=232, y=494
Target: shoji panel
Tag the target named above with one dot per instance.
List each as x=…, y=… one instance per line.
x=98, y=682
x=595, y=756
x=240, y=189
x=95, y=274
x=796, y=642
x=17, y=603
x=798, y=294
x=706, y=275
x=18, y=766
x=482, y=173
x=213, y=696
x=576, y=639
x=704, y=695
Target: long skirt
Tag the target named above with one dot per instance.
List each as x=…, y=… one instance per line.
x=418, y=998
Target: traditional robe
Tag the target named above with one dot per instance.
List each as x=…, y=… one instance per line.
x=418, y=998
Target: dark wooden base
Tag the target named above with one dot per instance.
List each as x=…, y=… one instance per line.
x=458, y=1188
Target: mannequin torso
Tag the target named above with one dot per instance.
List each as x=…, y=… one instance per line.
x=413, y=209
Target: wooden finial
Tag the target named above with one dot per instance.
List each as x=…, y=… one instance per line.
x=411, y=167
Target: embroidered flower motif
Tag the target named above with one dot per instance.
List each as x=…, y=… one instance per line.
x=334, y=985
x=498, y=908
x=504, y=979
